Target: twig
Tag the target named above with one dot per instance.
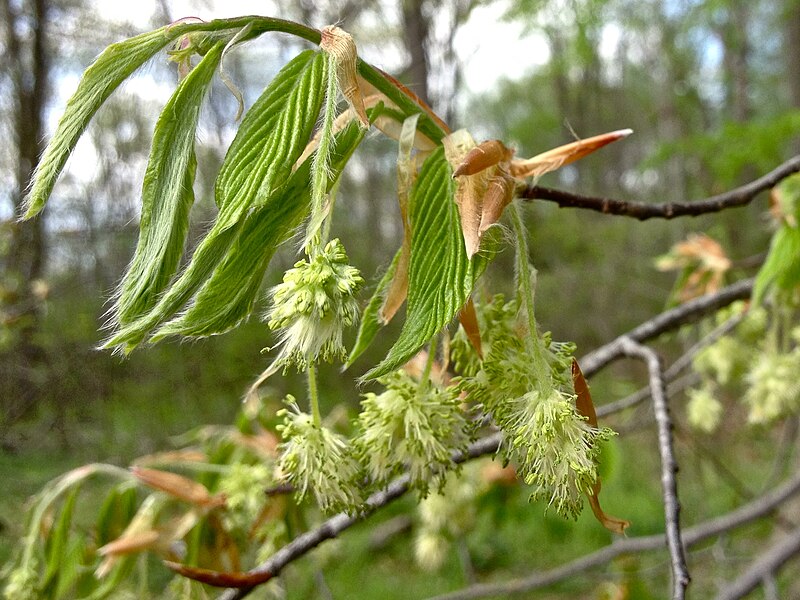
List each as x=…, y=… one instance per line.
x=669, y=465
x=331, y=528
x=668, y=210
x=673, y=371
x=691, y=537
x=666, y=321
x=763, y=567
x=592, y=363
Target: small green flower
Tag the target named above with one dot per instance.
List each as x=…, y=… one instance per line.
x=243, y=486
x=23, y=582
x=525, y=384
x=555, y=449
x=774, y=387
x=316, y=459
x=313, y=305
x=410, y=427
x=724, y=360
x=703, y=410
x=446, y=516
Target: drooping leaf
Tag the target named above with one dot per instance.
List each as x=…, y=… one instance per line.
x=441, y=277
x=228, y=296
x=256, y=169
x=112, y=67
x=167, y=194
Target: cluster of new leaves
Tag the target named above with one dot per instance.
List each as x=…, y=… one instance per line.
x=275, y=176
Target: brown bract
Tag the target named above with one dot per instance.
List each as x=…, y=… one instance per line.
x=585, y=406
x=341, y=46
x=179, y=487
x=487, y=174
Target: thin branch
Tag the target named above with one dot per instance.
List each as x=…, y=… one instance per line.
x=767, y=564
x=642, y=211
x=331, y=528
x=687, y=312
x=671, y=374
x=752, y=511
x=669, y=465
x=592, y=363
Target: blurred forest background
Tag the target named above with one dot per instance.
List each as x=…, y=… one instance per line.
x=710, y=88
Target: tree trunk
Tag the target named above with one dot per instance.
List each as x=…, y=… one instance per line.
x=27, y=60
x=415, y=38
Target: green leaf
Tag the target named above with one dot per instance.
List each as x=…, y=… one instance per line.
x=118, y=508
x=167, y=194
x=256, y=168
x=56, y=544
x=370, y=322
x=440, y=277
x=228, y=296
x=781, y=269
x=112, y=67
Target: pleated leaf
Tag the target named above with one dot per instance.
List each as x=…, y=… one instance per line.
x=112, y=67
x=227, y=298
x=256, y=168
x=440, y=277
x=167, y=194
x=781, y=269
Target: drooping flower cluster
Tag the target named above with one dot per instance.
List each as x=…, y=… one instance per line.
x=703, y=410
x=774, y=387
x=443, y=517
x=313, y=305
x=410, y=426
x=243, y=486
x=317, y=460
x=526, y=388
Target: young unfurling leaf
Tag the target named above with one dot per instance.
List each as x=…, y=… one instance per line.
x=228, y=296
x=440, y=277
x=167, y=194
x=257, y=166
x=112, y=67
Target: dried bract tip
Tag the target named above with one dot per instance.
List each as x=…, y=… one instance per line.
x=340, y=44
x=178, y=486
x=484, y=155
x=564, y=155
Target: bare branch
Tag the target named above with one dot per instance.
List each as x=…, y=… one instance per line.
x=642, y=211
x=687, y=312
x=671, y=374
x=767, y=564
x=752, y=511
x=669, y=465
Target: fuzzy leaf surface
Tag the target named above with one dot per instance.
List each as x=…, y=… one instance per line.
x=167, y=194
x=227, y=298
x=112, y=67
x=440, y=277
x=256, y=168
